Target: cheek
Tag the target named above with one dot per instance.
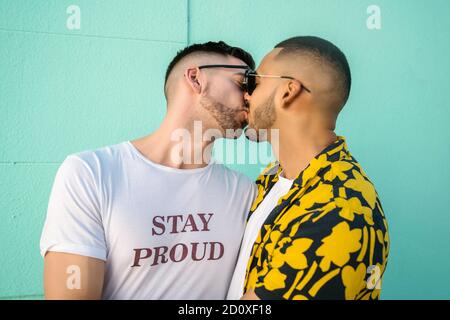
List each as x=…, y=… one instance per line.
x=233, y=96
x=260, y=97
x=255, y=101
x=239, y=97
x=228, y=94
x=256, y=97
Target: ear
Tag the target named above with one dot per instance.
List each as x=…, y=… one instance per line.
x=291, y=91
x=192, y=77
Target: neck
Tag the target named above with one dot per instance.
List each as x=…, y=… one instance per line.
x=177, y=144
x=295, y=150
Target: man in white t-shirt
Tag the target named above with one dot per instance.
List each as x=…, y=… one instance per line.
x=154, y=218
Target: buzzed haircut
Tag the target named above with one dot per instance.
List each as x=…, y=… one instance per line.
x=211, y=47
x=325, y=52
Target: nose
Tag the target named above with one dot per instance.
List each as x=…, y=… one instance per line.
x=247, y=97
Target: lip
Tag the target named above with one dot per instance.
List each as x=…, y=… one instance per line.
x=245, y=112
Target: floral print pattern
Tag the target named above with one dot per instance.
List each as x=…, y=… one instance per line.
x=326, y=239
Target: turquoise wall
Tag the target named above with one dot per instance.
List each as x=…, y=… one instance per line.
x=63, y=91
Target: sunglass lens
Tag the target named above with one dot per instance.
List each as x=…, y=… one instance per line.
x=251, y=84
x=250, y=81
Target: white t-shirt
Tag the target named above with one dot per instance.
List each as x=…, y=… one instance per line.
x=254, y=224
x=164, y=233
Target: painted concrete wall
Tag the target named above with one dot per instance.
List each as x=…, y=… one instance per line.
x=64, y=90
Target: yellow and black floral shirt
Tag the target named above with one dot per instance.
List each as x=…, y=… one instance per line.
x=327, y=238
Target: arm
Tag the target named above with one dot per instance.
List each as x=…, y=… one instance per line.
x=71, y=276
x=73, y=239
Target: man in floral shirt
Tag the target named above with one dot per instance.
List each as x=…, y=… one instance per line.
x=317, y=228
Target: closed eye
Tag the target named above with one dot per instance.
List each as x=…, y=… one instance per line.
x=240, y=85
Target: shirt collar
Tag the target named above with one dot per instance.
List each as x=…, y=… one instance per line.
x=317, y=165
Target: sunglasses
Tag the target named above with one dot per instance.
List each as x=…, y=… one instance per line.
x=249, y=83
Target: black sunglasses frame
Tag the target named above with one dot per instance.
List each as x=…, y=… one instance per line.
x=249, y=83
x=250, y=80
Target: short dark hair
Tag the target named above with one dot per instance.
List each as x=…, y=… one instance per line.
x=324, y=50
x=211, y=47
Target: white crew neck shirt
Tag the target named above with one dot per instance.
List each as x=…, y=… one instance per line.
x=254, y=224
x=164, y=233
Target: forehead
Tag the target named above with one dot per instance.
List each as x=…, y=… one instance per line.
x=211, y=58
x=234, y=60
x=226, y=60
x=268, y=63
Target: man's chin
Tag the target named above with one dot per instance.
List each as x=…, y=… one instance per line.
x=253, y=135
x=233, y=133
x=237, y=134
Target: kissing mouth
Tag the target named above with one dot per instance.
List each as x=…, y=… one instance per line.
x=246, y=116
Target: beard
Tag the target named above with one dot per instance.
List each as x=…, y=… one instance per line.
x=225, y=117
x=262, y=120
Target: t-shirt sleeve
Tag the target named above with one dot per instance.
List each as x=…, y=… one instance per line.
x=74, y=223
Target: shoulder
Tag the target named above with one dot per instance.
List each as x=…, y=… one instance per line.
x=349, y=182
x=89, y=164
x=96, y=157
x=270, y=171
x=104, y=154
x=234, y=177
